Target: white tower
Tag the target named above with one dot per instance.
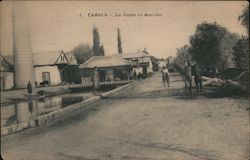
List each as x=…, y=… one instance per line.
x=22, y=45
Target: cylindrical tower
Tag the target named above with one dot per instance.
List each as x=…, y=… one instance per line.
x=6, y=29
x=22, y=45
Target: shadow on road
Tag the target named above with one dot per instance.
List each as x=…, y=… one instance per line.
x=198, y=153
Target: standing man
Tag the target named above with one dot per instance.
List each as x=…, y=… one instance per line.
x=29, y=88
x=135, y=75
x=165, y=76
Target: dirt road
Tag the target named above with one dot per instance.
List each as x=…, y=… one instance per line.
x=142, y=122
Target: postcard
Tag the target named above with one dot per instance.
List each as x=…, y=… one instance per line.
x=116, y=80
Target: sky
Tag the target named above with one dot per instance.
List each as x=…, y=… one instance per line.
x=65, y=24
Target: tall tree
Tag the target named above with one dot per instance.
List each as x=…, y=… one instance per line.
x=82, y=52
x=226, y=49
x=119, y=41
x=96, y=42
x=182, y=57
x=241, y=53
x=244, y=18
x=208, y=45
x=101, y=51
x=241, y=49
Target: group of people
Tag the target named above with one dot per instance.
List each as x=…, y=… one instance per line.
x=197, y=72
x=137, y=74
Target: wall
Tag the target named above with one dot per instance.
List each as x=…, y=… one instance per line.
x=55, y=78
x=7, y=79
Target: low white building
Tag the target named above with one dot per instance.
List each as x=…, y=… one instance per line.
x=110, y=68
x=141, y=61
x=45, y=68
x=51, y=67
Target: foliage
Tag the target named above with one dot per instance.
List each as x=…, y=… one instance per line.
x=82, y=52
x=226, y=49
x=211, y=45
x=244, y=18
x=119, y=41
x=241, y=53
x=96, y=43
x=181, y=58
x=101, y=51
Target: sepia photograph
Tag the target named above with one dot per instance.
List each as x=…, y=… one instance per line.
x=124, y=80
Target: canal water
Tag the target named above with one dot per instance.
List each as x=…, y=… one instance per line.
x=19, y=115
x=25, y=112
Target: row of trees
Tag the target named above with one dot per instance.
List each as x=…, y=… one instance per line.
x=84, y=51
x=214, y=47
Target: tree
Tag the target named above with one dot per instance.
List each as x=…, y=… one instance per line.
x=101, y=51
x=182, y=57
x=96, y=42
x=211, y=45
x=226, y=49
x=241, y=53
x=241, y=49
x=119, y=41
x=82, y=52
x=244, y=18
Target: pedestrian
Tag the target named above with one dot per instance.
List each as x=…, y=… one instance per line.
x=29, y=88
x=197, y=77
x=165, y=76
x=135, y=75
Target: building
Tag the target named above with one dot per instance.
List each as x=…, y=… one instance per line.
x=7, y=73
x=110, y=68
x=46, y=67
x=141, y=60
x=53, y=68
x=68, y=67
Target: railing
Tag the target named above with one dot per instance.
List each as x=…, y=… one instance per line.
x=115, y=82
x=90, y=84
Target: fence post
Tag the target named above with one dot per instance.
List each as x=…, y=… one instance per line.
x=96, y=79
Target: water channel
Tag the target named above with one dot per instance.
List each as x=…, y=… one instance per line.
x=18, y=115
x=24, y=112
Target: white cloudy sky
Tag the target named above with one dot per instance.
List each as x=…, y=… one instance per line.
x=58, y=26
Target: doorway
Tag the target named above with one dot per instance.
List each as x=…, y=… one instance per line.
x=46, y=77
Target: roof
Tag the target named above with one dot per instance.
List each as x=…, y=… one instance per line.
x=9, y=59
x=5, y=65
x=45, y=58
x=71, y=58
x=133, y=55
x=48, y=58
x=105, y=61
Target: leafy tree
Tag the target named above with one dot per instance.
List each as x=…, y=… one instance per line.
x=241, y=53
x=241, y=49
x=226, y=49
x=119, y=41
x=182, y=57
x=244, y=18
x=101, y=51
x=96, y=42
x=82, y=52
x=211, y=45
